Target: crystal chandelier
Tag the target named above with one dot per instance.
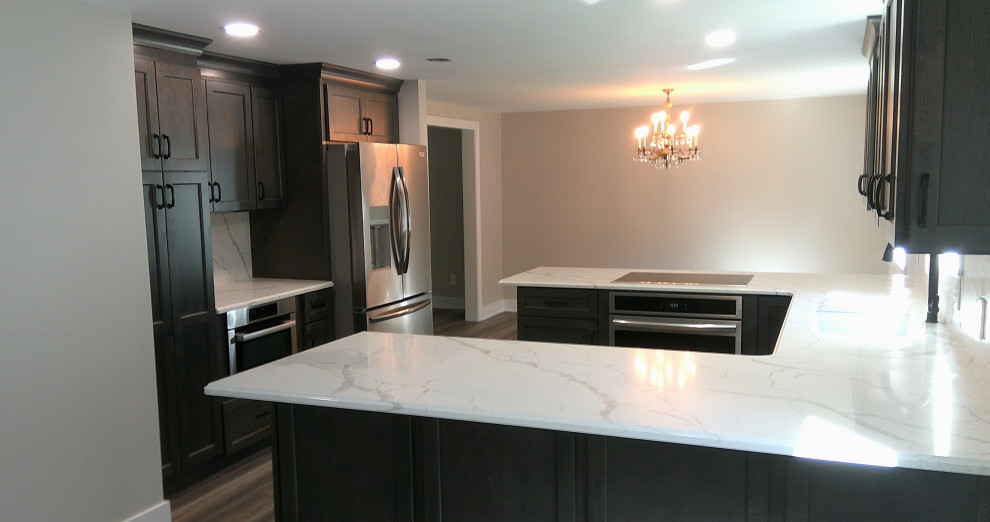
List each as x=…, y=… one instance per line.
x=664, y=146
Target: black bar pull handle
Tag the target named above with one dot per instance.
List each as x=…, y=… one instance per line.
x=154, y=196
x=923, y=216
x=156, y=147
x=219, y=191
x=171, y=190
x=371, y=126
x=168, y=143
x=261, y=191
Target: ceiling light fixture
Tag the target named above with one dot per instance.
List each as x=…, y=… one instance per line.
x=387, y=63
x=665, y=147
x=241, y=29
x=708, y=64
x=721, y=38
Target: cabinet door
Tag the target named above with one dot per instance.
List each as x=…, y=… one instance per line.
x=345, y=113
x=231, y=155
x=149, y=135
x=382, y=111
x=154, y=221
x=268, y=161
x=181, y=117
x=197, y=362
x=950, y=161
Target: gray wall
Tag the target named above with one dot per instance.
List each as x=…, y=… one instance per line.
x=78, y=408
x=774, y=191
x=446, y=217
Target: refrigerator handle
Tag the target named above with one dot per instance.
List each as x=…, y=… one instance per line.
x=408, y=221
x=394, y=314
x=395, y=218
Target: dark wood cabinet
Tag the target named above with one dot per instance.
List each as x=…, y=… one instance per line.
x=266, y=113
x=177, y=223
x=565, y=315
x=245, y=146
x=316, y=324
x=171, y=116
x=929, y=166
x=343, y=464
x=361, y=114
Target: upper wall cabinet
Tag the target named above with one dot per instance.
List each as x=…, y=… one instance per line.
x=361, y=114
x=171, y=116
x=928, y=163
x=244, y=113
x=245, y=146
x=342, y=105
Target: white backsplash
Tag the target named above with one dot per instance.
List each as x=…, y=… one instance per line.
x=231, y=232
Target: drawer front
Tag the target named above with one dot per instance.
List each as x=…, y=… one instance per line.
x=244, y=423
x=570, y=331
x=571, y=303
x=316, y=305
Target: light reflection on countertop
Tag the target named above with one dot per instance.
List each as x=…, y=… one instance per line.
x=660, y=367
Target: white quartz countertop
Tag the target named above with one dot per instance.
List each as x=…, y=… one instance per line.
x=233, y=295
x=917, y=399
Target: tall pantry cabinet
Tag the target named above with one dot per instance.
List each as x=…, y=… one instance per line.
x=176, y=194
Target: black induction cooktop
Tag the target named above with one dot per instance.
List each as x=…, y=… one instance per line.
x=685, y=278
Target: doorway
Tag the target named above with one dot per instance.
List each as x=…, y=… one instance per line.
x=454, y=224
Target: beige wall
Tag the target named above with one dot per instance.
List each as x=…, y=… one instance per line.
x=490, y=133
x=774, y=191
x=78, y=406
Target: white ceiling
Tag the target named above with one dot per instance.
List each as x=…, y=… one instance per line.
x=534, y=55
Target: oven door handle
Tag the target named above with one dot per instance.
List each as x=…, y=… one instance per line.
x=245, y=337
x=726, y=329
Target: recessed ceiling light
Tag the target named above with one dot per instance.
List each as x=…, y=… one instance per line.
x=708, y=64
x=387, y=63
x=721, y=38
x=241, y=29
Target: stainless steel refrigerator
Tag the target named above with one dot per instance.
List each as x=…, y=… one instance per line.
x=380, y=237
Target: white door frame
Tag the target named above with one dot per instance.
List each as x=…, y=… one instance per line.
x=471, y=168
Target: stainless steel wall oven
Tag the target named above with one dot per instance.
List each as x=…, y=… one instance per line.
x=694, y=322
x=260, y=334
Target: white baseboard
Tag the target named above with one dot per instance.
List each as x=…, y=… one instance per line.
x=161, y=512
x=448, y=302
x=491, y=310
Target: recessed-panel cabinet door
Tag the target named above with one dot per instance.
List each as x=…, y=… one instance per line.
x=231, y=154
x=181, y=117
x=149, y=135
x=154, y=220
x=345, y=113
x=382, y=111
x=191, y=281
x=270, y=179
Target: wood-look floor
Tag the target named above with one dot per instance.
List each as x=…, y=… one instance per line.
x=244, y=492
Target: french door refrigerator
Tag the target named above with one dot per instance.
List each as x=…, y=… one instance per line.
x=380, y=237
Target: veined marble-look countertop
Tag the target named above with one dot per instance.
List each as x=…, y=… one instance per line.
x=916, y=399
x=233, y=295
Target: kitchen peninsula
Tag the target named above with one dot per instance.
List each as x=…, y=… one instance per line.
x=839, y=422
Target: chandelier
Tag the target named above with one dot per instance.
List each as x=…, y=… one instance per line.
x=664, y=146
